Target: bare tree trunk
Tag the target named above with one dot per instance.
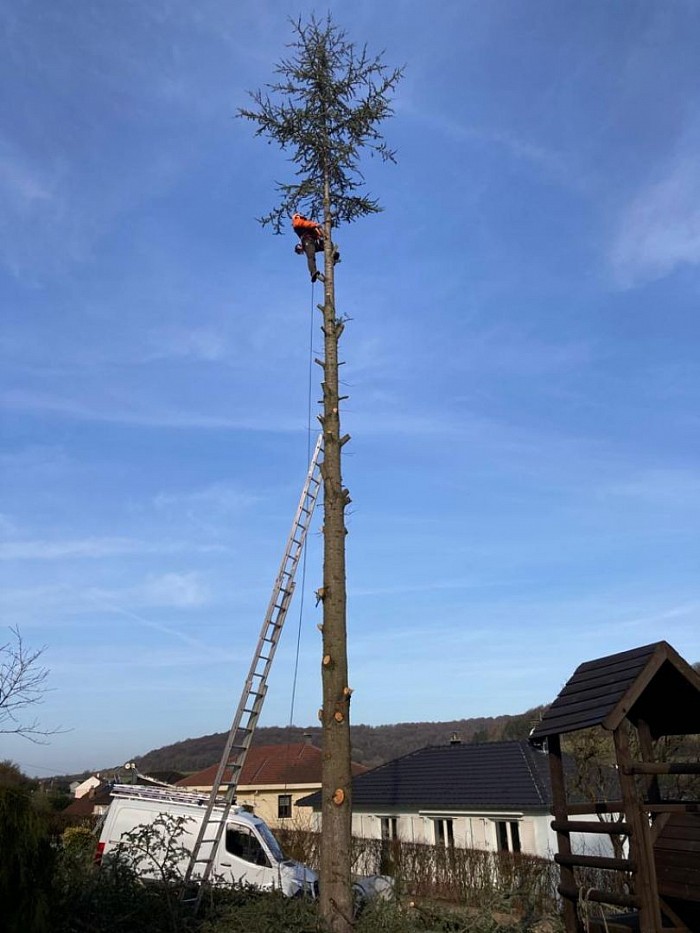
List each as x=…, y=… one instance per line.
x=335, y=887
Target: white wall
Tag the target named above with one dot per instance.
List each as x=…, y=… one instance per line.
x=86, y=786
x=477, y=831
x=471, y=831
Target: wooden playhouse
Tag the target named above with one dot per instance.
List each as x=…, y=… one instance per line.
x=639, y=697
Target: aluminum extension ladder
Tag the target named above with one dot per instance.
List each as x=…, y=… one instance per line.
x=252, y=698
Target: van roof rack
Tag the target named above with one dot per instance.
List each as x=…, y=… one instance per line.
x=164, y=794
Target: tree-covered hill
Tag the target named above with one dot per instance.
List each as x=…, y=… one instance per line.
x=371, y=745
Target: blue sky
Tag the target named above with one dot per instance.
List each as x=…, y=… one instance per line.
x=521, y=361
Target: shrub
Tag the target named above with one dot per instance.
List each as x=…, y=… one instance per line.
x=26, y=865
x=113, y=897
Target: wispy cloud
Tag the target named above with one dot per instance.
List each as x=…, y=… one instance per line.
x=509, y=350
x=555, y=165
x=667, y=615
x=91, y=409
x=664, y=487
x=7, y=526
x=401, y=589
x=20, y=184
x=659, y=230
x=202, y=344
x=175, y=590
x=102, y=600
x=219, y=497
x=92, y=547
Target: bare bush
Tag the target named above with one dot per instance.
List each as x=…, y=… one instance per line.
x=22, y=685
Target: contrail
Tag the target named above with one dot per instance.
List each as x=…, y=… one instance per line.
x=157, y=626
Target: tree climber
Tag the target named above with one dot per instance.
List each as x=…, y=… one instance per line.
x=311, y=236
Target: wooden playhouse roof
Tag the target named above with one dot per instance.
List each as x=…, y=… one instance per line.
x=652, y=683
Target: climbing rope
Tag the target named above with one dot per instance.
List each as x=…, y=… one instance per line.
x=308, y=459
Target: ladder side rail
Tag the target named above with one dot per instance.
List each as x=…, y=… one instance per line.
x=235, y=765
x=253, y=699
x=250, y=689
x=273, y=624
x=272, y=628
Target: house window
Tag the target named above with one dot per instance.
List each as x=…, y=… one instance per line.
x=284, y=806
x=507, y=836
x=444, y=833
x=389, y=845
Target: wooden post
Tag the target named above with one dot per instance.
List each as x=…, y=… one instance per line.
x=568, y=881
x=641, y=852
x=646, y=747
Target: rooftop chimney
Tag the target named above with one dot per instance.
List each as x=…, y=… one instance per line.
x=455, y=739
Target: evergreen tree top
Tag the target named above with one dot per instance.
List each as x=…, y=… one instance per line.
x=324, y=109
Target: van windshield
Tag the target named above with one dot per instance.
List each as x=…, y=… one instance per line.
x=270, y=841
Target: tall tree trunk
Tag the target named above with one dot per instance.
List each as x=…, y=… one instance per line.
x=335, y=887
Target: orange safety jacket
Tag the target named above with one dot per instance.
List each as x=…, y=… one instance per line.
x=303, y=227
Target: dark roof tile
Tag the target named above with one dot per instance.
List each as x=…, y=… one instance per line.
x=501, y=775
x=652, y=683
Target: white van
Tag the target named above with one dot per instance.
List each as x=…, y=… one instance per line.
x=248, y=853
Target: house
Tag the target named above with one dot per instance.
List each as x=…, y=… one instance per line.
x=95, y=802
x=273, y=779
x=493, y=796
x=84, y=787
x=96, y=798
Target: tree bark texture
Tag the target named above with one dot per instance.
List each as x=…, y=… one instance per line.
x=335, y=890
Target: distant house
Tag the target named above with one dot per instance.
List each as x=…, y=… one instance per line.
x=94, y=802
x=84, y=787
x=96, y=798
x=273, y=779
x=493, y=796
